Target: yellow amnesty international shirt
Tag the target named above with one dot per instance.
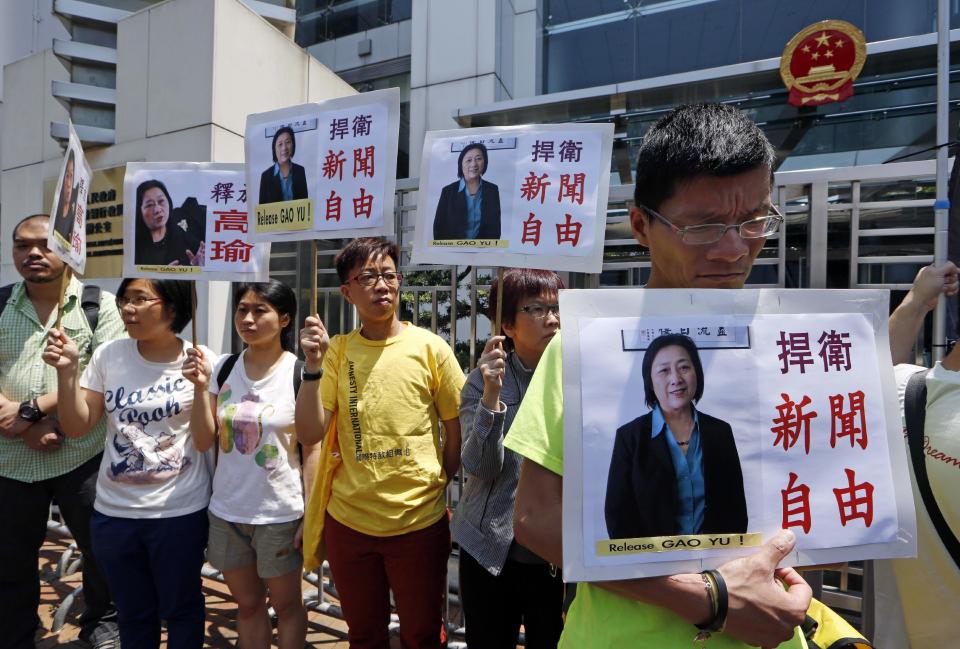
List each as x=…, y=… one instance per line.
x=390, y=396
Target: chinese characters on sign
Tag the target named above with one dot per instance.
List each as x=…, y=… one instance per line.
x=208, y=207
x=68, y=214
x=798, y=400
x=349, y=151
x=530, y=196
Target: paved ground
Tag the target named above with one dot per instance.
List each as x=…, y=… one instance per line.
x=220, y=612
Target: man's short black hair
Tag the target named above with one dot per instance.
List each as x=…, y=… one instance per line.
x=175, y=295
x=358, y=251
x=28, y=218
x=646, y=367
x=695, y=140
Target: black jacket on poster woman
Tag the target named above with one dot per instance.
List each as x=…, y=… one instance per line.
x=642, y=495
x=272, y=192
x=451, y=219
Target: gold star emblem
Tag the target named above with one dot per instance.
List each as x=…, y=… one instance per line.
x=815, y=56
x=823, y=40
x=838, y=43
x=829, y=54
x=806, y=49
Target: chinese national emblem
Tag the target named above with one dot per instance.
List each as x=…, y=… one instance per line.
x=821, y=62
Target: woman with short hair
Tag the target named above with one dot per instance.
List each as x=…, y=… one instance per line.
x=149, y=527
x=502, y=584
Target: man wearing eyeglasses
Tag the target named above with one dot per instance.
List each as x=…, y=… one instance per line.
x=390, y=385
x=37, y=463
x=702, y=207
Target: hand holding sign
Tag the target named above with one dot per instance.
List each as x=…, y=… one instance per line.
x=196, y=368
x=492, y=365
x=61, y=352
x=761, y=612
x=314, y=342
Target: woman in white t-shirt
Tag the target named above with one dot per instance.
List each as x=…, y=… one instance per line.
x=149, y=527
x=256, y=510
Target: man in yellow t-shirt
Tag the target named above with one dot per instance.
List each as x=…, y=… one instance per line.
x=390, y=385
x=702, y=207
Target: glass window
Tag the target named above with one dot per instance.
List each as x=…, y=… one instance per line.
x=610, y=41
x=323, y=20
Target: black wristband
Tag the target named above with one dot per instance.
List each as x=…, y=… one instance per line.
x=717, y=622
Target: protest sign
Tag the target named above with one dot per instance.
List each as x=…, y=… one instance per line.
x=188, y=220
x=774, y=408
x=324, y=171
x=532, y=196
x=68, y=231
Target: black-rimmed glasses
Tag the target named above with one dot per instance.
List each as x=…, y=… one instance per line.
x=540, y=311
x=707, y=233
x=368, y=279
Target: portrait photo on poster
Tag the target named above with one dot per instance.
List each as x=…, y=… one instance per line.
x=469, y=207
x=169, y=231
x=68, y=236
x=189, y=219
x=697, y=437
x=65, y=203
x=528, y=196
x=324, y=170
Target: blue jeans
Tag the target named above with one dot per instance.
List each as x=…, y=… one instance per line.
x=153, y=569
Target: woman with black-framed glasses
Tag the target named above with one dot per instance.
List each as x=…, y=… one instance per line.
x=502, y=584
x=149, y=527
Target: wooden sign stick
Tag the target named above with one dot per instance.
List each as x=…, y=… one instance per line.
x=64, y=283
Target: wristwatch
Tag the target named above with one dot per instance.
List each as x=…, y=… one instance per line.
x=310, y=376
x=30, y=411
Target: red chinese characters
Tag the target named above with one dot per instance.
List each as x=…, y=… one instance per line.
x=230, y=220
x=855, y=501
x=235, y=251
x=555, y=197
x=796, y=505
x=791, y=422
x=850, y=423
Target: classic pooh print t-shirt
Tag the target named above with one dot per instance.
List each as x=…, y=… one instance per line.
x=150, y=468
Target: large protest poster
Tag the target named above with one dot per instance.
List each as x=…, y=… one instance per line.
x=68, y=231
x=796, y=427
x=324, y=171
x=188, y=220
x=532, y=196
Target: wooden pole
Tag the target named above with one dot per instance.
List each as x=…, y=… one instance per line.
x=313, y=277
x=193, y=312
x=64, y=283
x=496, y=331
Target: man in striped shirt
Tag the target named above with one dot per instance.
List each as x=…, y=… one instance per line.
x=37, y=463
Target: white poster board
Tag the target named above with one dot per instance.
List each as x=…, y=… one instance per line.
x=68, y=213
x=324, y=171
x=542, y=197
x=188, y=220
x=797, y=427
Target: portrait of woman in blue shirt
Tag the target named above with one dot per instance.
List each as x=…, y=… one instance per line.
x=285, y=180
x=674, y=470
x=469, y=208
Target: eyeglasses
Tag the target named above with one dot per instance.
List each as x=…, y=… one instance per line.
x=138, y=302
x=368, y=279
x=700, y=235
x=540, y=311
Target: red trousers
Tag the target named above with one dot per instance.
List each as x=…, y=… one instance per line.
x=366, y=568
